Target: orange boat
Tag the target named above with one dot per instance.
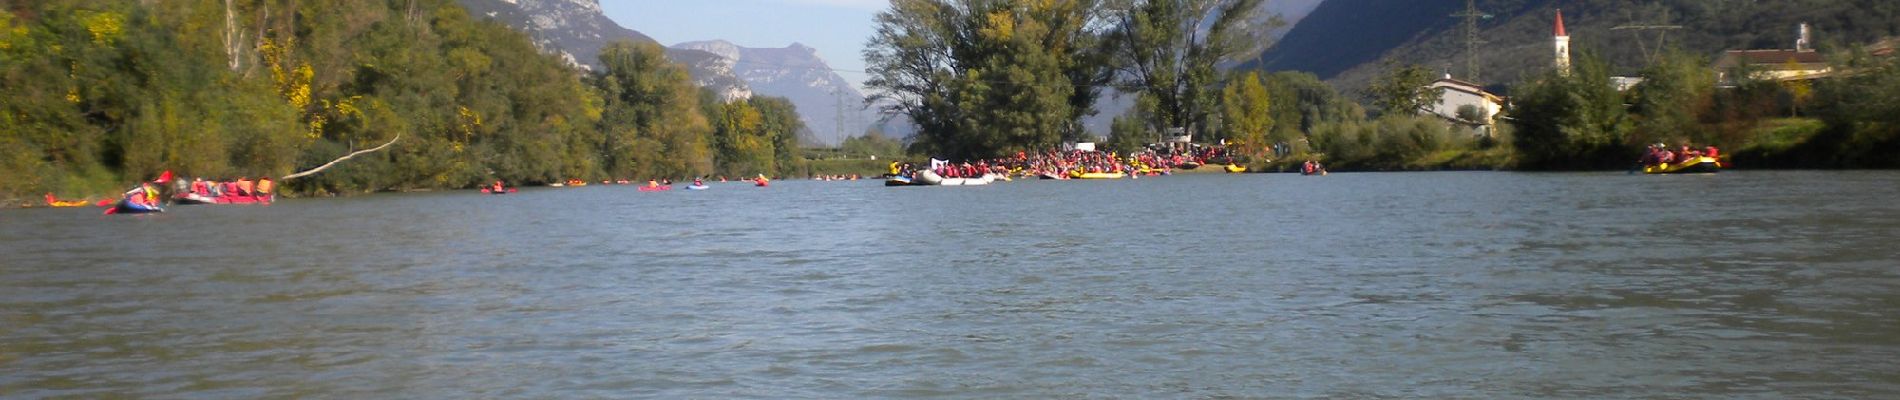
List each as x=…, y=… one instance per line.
x=56, y=202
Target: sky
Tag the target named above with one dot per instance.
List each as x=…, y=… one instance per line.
x=837, y=28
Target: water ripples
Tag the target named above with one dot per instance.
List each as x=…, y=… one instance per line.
x=1755, y=284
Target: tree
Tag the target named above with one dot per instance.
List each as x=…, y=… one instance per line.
x=1129, y=132
x=1247, y=111
x=1799, y=88
x=1574, y=121
x=1169, y=50
x=983, y=78
x=779, y=120
x=1667, y=104
x=1404, y=90
x=653, y=125
x=742, y=146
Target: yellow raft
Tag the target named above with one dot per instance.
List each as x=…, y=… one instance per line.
x=1235, y=169
x=1703, y=164
x=1096, y=175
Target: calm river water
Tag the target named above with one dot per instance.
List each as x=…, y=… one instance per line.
x=1440, y=285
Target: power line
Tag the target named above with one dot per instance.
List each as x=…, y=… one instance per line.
x=1472, y=40
x=1662, y=29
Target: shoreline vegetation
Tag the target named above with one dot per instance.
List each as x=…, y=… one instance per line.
x=102, y=94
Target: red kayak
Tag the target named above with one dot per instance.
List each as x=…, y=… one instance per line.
x=493, y=191
x=655, y=188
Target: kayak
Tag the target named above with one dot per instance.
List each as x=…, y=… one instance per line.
x=1097, y=175
x=493, y=191
x=125, y=207
x=1696, y=165
x=898, y=180
x=698, y=187
x=655, y=188
x=56, y=202
x=1235, y=169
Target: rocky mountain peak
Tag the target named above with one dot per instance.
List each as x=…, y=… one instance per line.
x=828, y=104
x=577, y=29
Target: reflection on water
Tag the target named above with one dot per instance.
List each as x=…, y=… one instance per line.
x=1740, y=284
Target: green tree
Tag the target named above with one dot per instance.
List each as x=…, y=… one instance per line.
x=780, y=122
x=1129, y=132
x=743, y=146
x=1169, y=50
x=983, y=78
x=1573, y=122
x=873, y=144
x=1404, y=90
x=1247, y=111
x=652, y=122
x=1668, y=104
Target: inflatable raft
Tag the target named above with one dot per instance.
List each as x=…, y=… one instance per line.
x=1696, y=165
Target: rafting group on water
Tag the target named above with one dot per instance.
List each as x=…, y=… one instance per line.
x=652, y=185
x=1059, y=165
x=149, y=197
x=1660, y=159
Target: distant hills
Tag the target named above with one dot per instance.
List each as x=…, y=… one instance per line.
x=832, y=108
x=1345, y=41
x=577, y=29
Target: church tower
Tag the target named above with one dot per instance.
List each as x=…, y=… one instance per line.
x=1561, y=44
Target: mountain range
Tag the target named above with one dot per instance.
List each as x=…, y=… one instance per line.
x=577, y=29
x=831, y=107
x=1347, y=42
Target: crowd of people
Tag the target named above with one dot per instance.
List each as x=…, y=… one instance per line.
x=1063, y=162
x=240, y=187
x=1659, y=154
x=1311, y=167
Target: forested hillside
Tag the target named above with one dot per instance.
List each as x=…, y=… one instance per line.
x=100, y=94
x=1344, y=41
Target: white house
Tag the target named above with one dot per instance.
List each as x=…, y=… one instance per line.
x=1455, y=94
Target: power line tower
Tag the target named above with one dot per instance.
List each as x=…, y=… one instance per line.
x=839, y=127
x=1471, y=14
x=1661, y=28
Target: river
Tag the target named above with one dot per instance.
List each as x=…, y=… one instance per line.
x=1744, y=284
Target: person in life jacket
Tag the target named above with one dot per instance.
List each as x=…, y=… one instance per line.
x=653, y=183
x=697, y=182
x=146, y=194
x=264, y=186
x=497, y=187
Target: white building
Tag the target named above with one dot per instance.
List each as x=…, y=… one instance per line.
x=1799, y=63
x=1455, y=94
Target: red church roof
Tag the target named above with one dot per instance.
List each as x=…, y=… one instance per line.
x=1560, y=23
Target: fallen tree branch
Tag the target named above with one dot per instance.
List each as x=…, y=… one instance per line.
x=320, y=168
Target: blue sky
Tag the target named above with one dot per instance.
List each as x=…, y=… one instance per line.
x=837, y=28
